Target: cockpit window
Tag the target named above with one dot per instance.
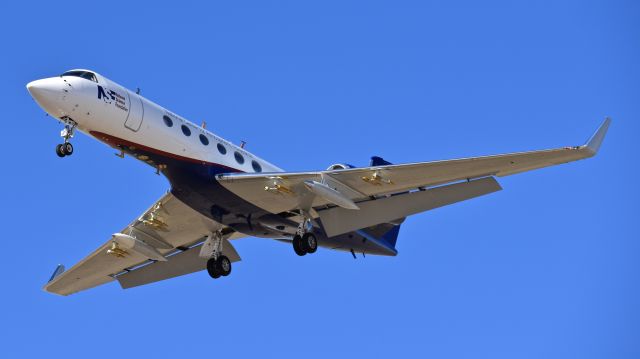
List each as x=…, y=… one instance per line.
x=84, y=74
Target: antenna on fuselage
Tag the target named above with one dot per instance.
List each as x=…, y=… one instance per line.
x=137, y=90
x=243, y=143
x=204, y=124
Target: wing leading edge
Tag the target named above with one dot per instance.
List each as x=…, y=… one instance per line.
x=280, y=192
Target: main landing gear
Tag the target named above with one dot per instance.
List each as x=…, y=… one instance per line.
x=66, y=148
x=218, y=265
x=305, y=241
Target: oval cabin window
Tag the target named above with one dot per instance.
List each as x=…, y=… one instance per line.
x=204, y=139
x=256, y=166
x=167, y=121
x=221, y=149
x=186, y=130
x=238, y=157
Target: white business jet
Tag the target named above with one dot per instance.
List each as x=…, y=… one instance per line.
x=220, y=192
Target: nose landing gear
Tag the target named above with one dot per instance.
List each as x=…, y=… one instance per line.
x=66, y=148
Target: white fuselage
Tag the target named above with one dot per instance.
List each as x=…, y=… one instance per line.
x=111, y=113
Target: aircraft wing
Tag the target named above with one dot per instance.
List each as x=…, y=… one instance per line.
x=280, y=192
x=171, y=228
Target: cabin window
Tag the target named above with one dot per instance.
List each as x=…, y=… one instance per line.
x=222, y=149
x=256, y=166
x=186, y=130
x=238, y=157
x=84, y=74
x=167, y=121
x=204, y=139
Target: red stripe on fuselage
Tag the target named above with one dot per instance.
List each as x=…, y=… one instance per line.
x=115, y=142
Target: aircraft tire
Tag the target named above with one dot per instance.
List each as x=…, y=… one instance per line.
x=68, y=149
x=212, y=268
x=309, y=243
x=60, y=150
x=297, y=245
x=223, y=265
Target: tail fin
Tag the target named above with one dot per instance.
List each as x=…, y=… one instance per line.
x=378, y=161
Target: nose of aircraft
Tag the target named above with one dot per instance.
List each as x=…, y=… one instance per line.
x=47, y=93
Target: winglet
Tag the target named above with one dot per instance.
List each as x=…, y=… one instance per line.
x=59, y=270
x=593, y=145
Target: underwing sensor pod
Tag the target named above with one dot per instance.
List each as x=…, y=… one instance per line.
x=330, y=194
x=123, y=243
x=220, y=192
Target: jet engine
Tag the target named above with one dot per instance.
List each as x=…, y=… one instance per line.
x=340, y=166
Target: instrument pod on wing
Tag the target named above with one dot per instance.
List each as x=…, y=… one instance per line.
x=130, y=243
x=330, y=194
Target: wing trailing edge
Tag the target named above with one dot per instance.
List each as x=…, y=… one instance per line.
x=338, y=220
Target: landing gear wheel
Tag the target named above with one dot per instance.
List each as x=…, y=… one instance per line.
x=68, y=148
x=212, y=268
x=60, y=150
x=297, y=245
x=223, y=265
x=309, y=243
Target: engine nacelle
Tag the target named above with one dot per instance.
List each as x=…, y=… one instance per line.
x=340, y=166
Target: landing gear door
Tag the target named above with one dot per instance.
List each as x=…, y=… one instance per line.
x=136, y=112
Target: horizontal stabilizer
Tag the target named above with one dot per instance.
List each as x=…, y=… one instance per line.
x=338, y=220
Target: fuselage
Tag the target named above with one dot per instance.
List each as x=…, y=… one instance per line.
x=103, y=108
x=190, y=156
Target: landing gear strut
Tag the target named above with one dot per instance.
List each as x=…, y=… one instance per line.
x=218, y=265
x=305, y=241
x=66, y=148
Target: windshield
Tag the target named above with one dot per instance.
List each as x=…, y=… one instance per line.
x=84, y=74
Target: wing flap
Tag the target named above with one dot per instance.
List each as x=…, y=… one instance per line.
x=338, y=220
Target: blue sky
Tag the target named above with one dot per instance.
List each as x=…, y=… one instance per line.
x=548, y=267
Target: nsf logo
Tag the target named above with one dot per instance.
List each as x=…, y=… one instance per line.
x=110, y=96
x=102, y=94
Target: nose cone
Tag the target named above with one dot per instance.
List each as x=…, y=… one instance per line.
x=48, y=93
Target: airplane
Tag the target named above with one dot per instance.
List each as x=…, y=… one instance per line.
x=220, y=192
